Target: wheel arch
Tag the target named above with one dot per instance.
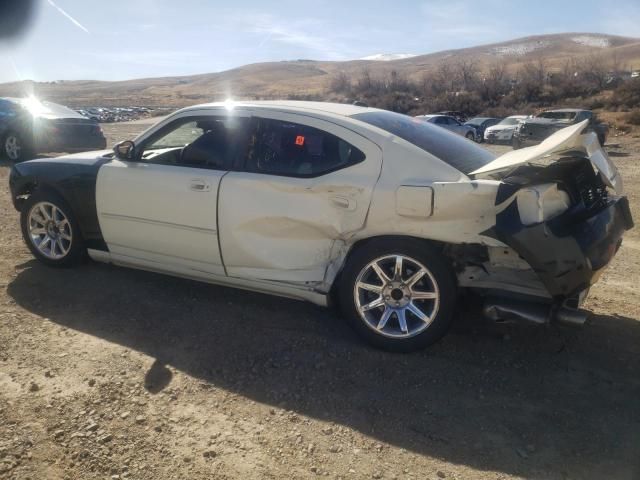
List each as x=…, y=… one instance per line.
x=435, y=245
x=33, y=185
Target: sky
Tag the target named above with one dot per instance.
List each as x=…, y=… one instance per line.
x=124, y=39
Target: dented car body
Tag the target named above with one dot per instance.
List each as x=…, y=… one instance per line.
x=302, y=190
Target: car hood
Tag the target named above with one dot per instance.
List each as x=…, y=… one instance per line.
x=86, y=158
x=498, y=128
x=569, y=139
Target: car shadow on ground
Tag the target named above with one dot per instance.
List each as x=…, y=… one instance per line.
x=530, y=401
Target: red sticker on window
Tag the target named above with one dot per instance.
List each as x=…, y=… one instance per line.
x=300, y=140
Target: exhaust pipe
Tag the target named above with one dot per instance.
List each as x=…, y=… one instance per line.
x=571, y=316
x=508, y=310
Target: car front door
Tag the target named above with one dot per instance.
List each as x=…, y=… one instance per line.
x=306, y=187
x=159, y=211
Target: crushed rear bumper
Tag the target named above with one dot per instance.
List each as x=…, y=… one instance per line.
x=570, y=251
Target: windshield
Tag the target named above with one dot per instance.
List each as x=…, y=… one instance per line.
x=453, y=149
x=558, y=115
x=39, y=108
x=476, y=122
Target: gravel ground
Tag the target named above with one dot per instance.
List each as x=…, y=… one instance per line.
x=110, y=373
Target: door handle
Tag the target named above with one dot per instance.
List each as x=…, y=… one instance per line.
x=198, y=185
x=343, y=203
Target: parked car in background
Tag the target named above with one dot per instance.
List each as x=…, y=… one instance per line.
x=29, y=126
x=450, y=124
x=481, y=124
x=384, y=214
x=503, y=132
x=534, y=130
x=461, y=117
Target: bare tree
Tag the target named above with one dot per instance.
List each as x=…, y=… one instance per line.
x=595, y=69
x=466, y=72
x=340, y=83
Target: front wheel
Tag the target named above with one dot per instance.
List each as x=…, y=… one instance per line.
x=50, y=230
x=398, y=294
x=471, y=136
x=14, y=147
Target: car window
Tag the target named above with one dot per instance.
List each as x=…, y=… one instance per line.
x=584, y=115
x=202, y=142
x=558, y=115
x=291, y=149
x=452, y=121
x=453, y=149
x=441, y=121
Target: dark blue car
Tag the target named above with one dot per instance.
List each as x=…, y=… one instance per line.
x=29, y=126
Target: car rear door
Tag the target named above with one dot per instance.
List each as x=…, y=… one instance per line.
x=306, y=187
x=160, y=211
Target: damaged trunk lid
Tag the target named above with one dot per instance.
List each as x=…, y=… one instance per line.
x=568, y=141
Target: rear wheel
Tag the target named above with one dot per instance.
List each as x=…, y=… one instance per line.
x=470, y=136
x=398, y=294
x=50, y=230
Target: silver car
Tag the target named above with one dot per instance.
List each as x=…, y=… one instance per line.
x=451, y=124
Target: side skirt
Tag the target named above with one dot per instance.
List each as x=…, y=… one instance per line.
x=270, y=288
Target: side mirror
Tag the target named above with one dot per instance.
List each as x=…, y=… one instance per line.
x=125, y=150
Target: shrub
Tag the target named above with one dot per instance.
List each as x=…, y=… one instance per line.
x=633, y=117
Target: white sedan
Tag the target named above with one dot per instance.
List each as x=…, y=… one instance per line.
x=503, y=132
x=386, y=215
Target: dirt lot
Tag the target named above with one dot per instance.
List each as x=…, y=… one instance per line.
x=111, y=373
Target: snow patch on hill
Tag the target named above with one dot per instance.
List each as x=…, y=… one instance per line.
x=592, y=41
x=519, y=48
x=387, y=57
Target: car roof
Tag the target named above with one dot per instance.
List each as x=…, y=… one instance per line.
x=342, y=109
x=49, y=109
x=567, y=110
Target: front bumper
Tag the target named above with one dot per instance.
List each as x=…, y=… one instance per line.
x=570, y=251
x=493, y=136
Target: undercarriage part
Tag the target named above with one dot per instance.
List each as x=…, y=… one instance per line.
x=509, y=310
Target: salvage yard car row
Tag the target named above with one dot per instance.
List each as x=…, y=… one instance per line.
x=517, y=130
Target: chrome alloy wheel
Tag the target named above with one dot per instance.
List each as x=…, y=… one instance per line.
x=12, y=147
x=396, y=296
x=49, y=230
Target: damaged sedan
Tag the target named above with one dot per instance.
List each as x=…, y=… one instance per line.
x=388, y=216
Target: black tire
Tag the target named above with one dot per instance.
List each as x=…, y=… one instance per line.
x=25, y=149
x=76, y=249
x=413, y=249
x=471, y=136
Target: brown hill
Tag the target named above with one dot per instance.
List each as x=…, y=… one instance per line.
x=308, y=77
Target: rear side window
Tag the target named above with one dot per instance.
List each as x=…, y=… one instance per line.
x=453, y=149
x=294, y=150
